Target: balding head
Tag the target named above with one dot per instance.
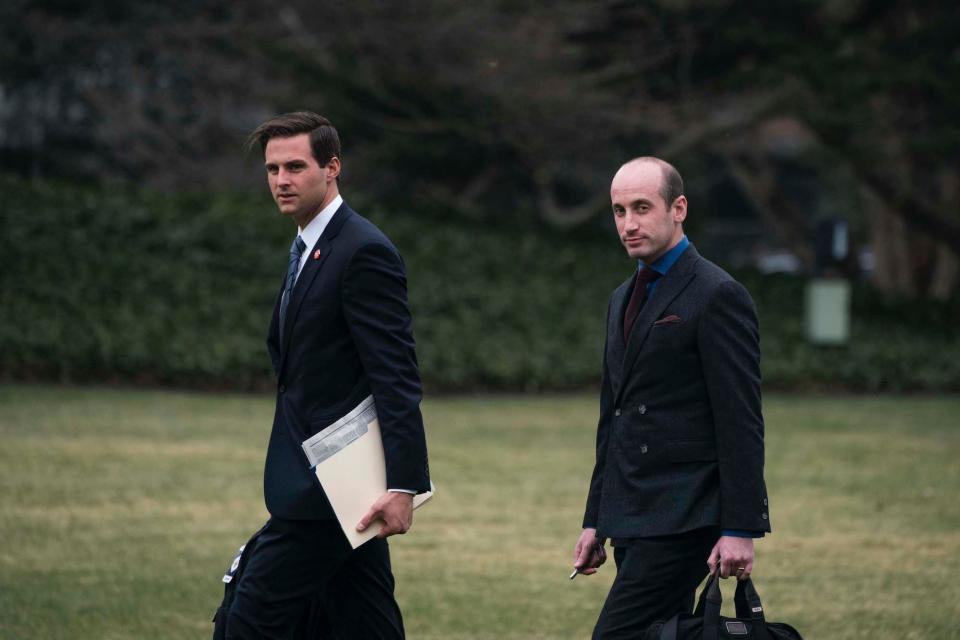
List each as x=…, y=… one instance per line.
x=648, y=207
x=644, y=168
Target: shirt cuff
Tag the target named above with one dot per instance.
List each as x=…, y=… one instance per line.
x=740, y=533
x=413, y=493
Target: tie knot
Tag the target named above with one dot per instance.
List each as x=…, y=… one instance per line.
x=646, y=275
x=298, y=247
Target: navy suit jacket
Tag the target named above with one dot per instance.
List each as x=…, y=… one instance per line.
x=680, y=436
x=348, y=334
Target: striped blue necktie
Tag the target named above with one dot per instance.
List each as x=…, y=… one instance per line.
x=296, y=251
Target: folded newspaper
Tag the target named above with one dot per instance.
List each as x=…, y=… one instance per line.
x=337, y=436
x=347, y=458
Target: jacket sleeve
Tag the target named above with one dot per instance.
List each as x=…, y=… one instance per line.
x=603, y=428
x=729, y=343
x=374, y=295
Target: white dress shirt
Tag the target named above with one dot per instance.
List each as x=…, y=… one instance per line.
x=314, y=229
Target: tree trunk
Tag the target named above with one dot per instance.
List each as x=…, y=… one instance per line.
x=891, y=251
x=946, y=274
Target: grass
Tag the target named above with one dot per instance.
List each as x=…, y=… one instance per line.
x=120, y=509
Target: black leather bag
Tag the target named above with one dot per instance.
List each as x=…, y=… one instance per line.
x=312, y=624
x=230, y=579
x=706, y=623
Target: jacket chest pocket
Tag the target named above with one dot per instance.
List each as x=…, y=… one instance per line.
x=671, y=335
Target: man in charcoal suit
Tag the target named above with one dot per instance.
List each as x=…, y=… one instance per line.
x=341, y=330
x=677, y=486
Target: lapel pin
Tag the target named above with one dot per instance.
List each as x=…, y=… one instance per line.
x=316, y=254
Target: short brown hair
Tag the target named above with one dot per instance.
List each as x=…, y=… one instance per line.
x=671, y=186
x=324, y=139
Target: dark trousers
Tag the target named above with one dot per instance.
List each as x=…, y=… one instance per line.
x=656, y=578
x=297, y=564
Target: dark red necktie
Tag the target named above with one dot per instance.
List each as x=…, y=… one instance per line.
x=644, y=277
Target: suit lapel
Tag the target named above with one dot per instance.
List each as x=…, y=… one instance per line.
x=617, y=308
x=669, y=287
x=615, y=345
x=312, y=267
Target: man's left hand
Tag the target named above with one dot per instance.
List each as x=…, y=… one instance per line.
x=395, y=508
x=732, y=554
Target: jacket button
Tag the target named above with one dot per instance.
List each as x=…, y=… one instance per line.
x=763, y=515
x=642, y=409
x=643, y=448
x=765, y=503
x=281, y=388
x=617, y=413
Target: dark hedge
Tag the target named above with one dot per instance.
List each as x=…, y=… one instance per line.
x=135, y=287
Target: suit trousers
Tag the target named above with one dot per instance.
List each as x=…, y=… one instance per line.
x=656, y=578
x=296, y=562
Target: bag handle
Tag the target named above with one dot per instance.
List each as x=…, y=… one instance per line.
x=711, y=601
x=708, y=606
x=748, y=601
x=702, y=600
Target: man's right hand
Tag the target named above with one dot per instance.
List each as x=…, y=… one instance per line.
x=395, y=509
x=589, y=552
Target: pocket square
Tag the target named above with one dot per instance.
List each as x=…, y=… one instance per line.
x=668, y=320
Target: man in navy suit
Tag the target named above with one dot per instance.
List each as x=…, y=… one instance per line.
x=678, y=481
x=340, y=331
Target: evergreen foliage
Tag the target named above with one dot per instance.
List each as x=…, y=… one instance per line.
x=135, y=286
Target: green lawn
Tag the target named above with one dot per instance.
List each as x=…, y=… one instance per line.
x=119, y=511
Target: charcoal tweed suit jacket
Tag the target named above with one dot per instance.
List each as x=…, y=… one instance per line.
x=680, y=435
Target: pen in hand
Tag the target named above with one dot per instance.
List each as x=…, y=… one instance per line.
x=600, y=558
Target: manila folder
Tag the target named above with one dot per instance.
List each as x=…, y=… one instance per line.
x=348, y=459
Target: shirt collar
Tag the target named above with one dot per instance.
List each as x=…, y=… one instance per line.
x=662, y=264
x=314, y=229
